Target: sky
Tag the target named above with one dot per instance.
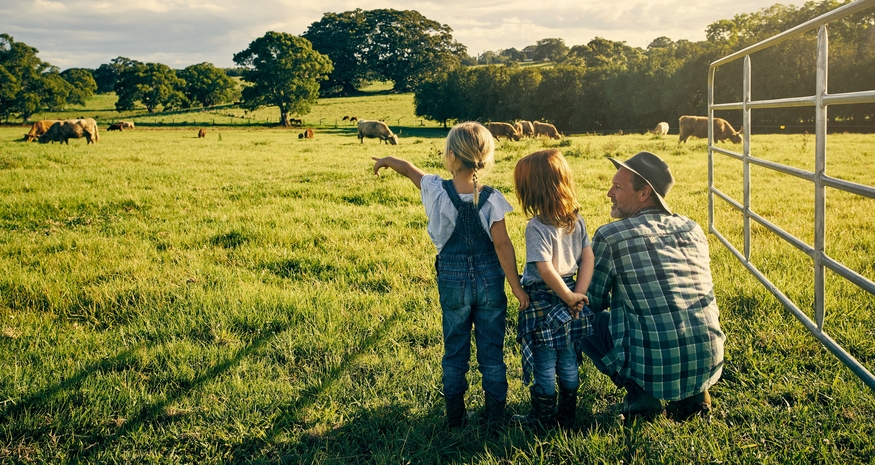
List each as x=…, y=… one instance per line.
x=179, y=33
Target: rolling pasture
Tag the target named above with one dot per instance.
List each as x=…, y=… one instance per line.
x=252, y=297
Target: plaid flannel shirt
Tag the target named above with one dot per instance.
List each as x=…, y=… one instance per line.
x=546, y=322
x=653, y=272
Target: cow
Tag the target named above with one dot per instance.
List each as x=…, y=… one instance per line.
x=345, y=118
x=115, y=127
x=308, y=134
x=518, y=128
x=378, y=129
x=201, y=133
x=503, y=130
x=353, y=119
x=697, y=126
x=127, y=124
x=295, y=121
x=39, y=128
x=546, y=129
x=528, y=129
x=661, y=129
x=64, y=130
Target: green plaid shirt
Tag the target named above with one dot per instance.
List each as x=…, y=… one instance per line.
x=653, y=272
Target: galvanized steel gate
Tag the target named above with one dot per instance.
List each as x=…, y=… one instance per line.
x=820, y=101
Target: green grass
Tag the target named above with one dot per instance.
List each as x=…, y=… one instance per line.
x=252, y=297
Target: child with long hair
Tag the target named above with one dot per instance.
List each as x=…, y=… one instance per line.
x=475, y=255
x=557, y=247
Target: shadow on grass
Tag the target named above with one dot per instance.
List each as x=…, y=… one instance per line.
x=93, y=442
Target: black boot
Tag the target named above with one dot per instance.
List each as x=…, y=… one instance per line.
x=566, y=412
x=494, y=413
x=542, y=413
x=456, y=411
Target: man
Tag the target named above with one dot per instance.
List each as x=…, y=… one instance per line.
x=661, y=338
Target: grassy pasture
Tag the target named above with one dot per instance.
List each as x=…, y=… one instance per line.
x=253, y=297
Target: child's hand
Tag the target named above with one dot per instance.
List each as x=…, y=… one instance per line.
x=380, y=163
x=522, y=298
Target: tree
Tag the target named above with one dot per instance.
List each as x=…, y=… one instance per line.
x=35, y=84
x=82, y=82
x=341, y=36
x=550, y=49
x=284, y=71
x=400, y=46
x=208, y=85
x=152, y=84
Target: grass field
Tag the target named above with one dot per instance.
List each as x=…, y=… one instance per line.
x=252, y=297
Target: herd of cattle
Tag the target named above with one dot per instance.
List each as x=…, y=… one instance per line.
x=689, y=126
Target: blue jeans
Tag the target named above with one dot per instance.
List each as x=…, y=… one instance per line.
x=472, y=294
x=551, y=364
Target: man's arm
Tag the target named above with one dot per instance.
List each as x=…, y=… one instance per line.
x=602, y=282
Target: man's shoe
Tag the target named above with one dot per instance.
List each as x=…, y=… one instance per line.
x=695, y=405
x=640, y=404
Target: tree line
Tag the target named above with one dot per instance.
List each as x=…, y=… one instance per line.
x=606, y=86
x=603, y=85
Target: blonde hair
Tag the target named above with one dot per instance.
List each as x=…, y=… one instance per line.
x=545, y=189
x=469, y=146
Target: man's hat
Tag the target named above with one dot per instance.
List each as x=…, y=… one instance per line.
x=652, y=169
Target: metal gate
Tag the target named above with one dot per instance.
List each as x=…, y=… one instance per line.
x=820, y=101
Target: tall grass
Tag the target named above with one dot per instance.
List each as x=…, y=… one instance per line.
x=253, y=297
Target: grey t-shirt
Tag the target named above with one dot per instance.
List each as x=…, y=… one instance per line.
x=546, y=243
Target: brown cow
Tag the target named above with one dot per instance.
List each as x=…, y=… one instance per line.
x=378, y=129
x=308, y=134
x=503, y=130
x=39, y=128
x=63, y=131
x=127, y=124
x=697, y=126
x=201, y=133
x=528, y=129
x=115, y=127
x=546, y=129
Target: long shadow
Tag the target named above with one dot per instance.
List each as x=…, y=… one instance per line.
x=96, y=442
x=252, y=449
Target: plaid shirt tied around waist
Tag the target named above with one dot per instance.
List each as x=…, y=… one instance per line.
x=546, y=322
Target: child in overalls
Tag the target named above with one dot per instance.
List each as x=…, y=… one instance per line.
x=557, y=247
x=475, y=255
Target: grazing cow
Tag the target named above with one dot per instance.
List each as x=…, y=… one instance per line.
x=378, y=129
x=62, y=131
x=39, y=128
x=345, y=118
x=115, y=127
x=661, y=129
x=518, y=128
x=503, y=130
x=546, y=129
x=201, y=133
x=127, y=124
x=353, y=119
x=308, y=134
x=295, y=121
x=697, y=126
x=528, y=129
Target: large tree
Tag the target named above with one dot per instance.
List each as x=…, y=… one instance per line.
x=208, y=85
x=404, y=47
x=83, y=85
x=285, y=71
x=152, y=84
x=27, y=84
x=340, y=36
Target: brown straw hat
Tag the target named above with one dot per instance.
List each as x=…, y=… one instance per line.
x=652, y=169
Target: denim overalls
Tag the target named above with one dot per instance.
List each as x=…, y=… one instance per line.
x=471, y=287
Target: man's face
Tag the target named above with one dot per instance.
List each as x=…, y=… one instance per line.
x=625, y=200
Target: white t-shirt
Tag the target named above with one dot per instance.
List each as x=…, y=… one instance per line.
x=441, y=212
x=546, y=243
